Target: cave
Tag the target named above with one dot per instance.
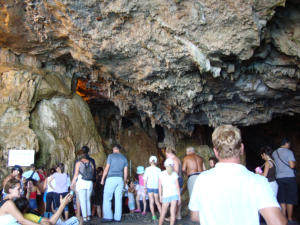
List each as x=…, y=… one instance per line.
x=146, y=75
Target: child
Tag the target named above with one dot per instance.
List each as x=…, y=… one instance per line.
x=141, y=191
x=131, y=191
x=32, y=192
x=151, y=183
x=169, y=191
x=212, y=161
x=97, y=196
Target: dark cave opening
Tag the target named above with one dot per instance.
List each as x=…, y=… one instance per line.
x=270, y=134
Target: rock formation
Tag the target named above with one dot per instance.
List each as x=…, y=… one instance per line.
x=175, y=63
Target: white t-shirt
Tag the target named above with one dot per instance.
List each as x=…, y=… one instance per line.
x=151, y=175
x=230, y=194
x=168, y=183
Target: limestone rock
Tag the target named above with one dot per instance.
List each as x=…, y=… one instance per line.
x=63, y=126
x=181, y=63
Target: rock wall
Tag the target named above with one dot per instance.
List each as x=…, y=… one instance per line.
x=177, y=64
x=39, y=111
x=180, y=63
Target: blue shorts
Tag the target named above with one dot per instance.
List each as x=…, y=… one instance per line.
x=170, y=198
x=131, y=205
x=152, y=190
x=32, y=203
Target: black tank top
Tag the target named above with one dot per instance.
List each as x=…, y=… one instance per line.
x=271, y=173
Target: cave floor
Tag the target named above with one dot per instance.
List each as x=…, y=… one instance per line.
x=138, y=219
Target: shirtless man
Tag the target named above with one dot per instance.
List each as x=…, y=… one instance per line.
x=170, y=153
x=192, y=166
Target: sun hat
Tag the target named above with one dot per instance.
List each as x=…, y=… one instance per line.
x=140, y=170
x=169, y=162
x=153, y=158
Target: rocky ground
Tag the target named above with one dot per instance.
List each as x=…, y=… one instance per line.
x=138, y=219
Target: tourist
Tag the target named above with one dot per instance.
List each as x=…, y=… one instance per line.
x=171, y=154
x=83, y=179
x=131, y=198
x=229, y=193
x=140, y=191
x=286, y=179
x=31, y=193
x=16, y=173
x=9, y=214
x=61, y=187
x=116, y=170
x=212, y=161
x=49, y=194
x=269, y=168
x=192, y=166
x=97, y=196
x=86, y=150
x=151, y=177
x=169, y=191
x=31, y=174
x=23, y=205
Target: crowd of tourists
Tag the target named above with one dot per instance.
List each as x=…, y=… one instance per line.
x=223, y=193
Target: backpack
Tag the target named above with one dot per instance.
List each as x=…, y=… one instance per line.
x=87, y=171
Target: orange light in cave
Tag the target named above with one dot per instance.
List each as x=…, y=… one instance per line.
x=81, y=89
x=89, y=90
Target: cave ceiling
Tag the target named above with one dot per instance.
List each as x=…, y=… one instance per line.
x=179, y=63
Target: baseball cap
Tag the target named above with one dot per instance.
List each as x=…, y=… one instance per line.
x=140, y=170
x=169, y=162
x=153, y=158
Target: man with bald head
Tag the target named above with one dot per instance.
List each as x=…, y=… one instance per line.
x=192, y=166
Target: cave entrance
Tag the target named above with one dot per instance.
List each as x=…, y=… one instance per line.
x=270, y=134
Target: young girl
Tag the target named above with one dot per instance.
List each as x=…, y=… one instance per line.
x=141, y=191
x=151, y=184
x=131, y=191
x=32, y=192
x=169, y=191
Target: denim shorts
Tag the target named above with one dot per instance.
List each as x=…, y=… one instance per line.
x=131, y=205
x=32, y=203
x=152, y=190
x=170, y=198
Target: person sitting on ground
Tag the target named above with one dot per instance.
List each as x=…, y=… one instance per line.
x=212, y=161
x=9, y=214
x=229, y=193
x=16, y=172
x=269, y=168
x=141, y=192
x=169, y=191
x=23, y=205
x=151, y=177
